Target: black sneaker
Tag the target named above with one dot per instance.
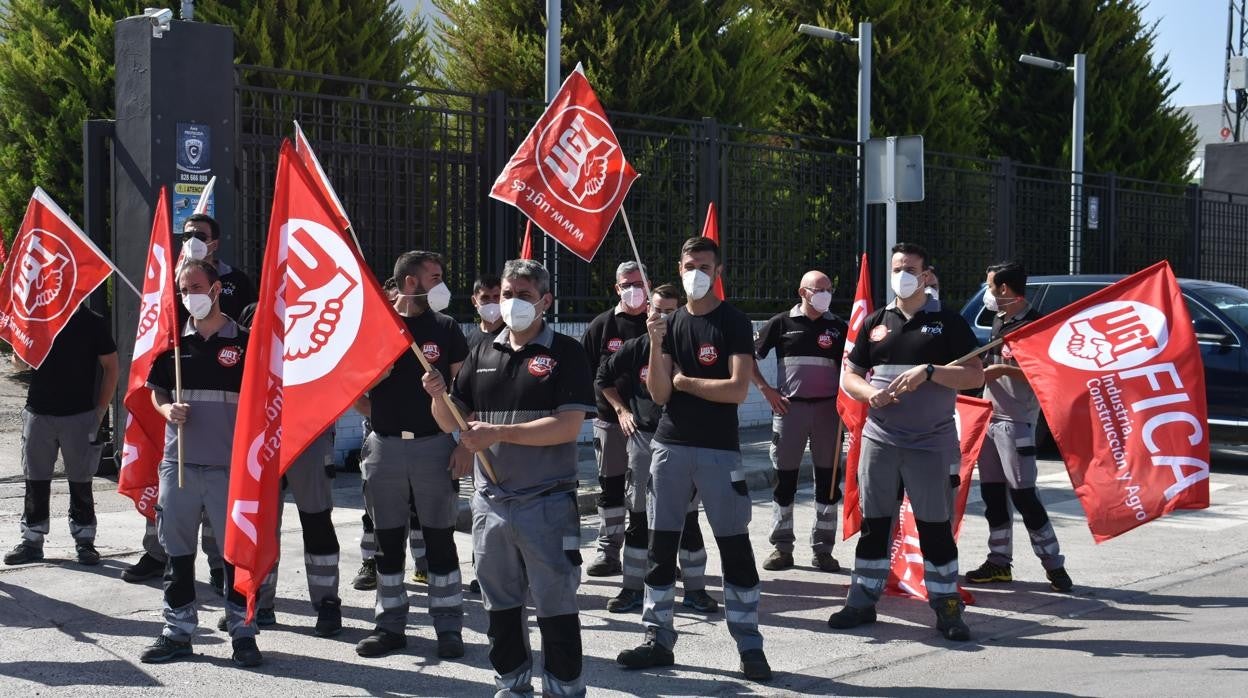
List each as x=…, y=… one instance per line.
x=146, y=568
x=265, y=617
x=1059, y=580
x=23, y=553
x=450, y=645
x=700, y=601
x=778, y=560
x=989, y=573
x=165, y=649
x=366, y=578
x=627, y=600
x=328, y=618
x=649, y=654
x=379, y=643
x=216, y=580
x=474, y=587
x=825, y=562
x=754, y=665
x=851, y=617
x=949, y=620
x=604, y=567
x=246, y=654
x=87, y=554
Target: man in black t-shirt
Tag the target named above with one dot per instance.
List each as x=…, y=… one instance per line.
x=910, y=438
x=525, y=395
x=201, y=235
x=624, y=373
x=213, y=352
x=605, y=335
x=808, y=341
x=410, y=461
x=486, y=296
x=699, y=370
x=63, y=412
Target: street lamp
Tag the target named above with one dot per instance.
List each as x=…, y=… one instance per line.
x=1076, y=148
x=864, y=100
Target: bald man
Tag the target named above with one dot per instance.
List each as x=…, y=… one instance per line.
x=808, y=341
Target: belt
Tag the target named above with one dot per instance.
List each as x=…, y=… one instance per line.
x=407, y=435
x=562, y=488
x=811, y=399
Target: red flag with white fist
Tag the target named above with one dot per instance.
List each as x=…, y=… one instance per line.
x=1121, y=382
x=569, y=176
x=52, y=269
x=143, y=444
x=323, y=332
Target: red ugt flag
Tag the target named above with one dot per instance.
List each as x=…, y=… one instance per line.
x=144, y=442
x=710, y=229
x=54, y=267
x=569, y=176
x=905, y=574
x=853, y=413
x=1120, y=379
x=323, y=332
x=304, y=149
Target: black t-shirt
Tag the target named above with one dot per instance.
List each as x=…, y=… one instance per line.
x=605, y=335
x=476, y=335
x=400, y=403
x=236, y=291
x=65, y=383
x=702, y=346
x=628, y=368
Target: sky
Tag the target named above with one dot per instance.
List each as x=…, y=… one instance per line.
x=1191, y=32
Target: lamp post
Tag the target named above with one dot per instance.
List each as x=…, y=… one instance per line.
x=1079, y=70
x=864, y=102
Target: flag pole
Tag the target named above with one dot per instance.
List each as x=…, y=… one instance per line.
x=177, y=397
x=459, y=418
x=990, y=345
x=636, y=255
x=836, y=459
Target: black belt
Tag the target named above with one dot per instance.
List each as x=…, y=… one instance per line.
x=407, y=435
x=810, y=399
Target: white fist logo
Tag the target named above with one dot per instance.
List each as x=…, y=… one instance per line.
x=324, y=301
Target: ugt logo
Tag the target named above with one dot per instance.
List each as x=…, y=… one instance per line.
x=579, y=159
x=45, y=276
x=324, y=300
x=1111, y=337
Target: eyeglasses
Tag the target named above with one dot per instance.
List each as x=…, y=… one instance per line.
x=197, y=234
x=816, y=290
x=635, y=284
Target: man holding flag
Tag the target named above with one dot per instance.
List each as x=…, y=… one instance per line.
x=212, y=359
x=910, y=438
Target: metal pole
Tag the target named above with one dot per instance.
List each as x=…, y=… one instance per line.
x=890, y=230
x=554, y=17
x=864, y=124
x=1076, y=166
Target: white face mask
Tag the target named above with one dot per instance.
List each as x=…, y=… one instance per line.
x=995, y=304
x=696, y=283
x=197, y=304
x=439, y=297
x=633, y=297
x=194, y=248
x=489, y=312
x=904, y=284
x=820, y=301
x=933, y=292
x=518, y=314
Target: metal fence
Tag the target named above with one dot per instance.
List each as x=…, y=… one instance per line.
x=414, y=167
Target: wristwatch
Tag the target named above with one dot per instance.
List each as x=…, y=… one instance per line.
x=929, y=371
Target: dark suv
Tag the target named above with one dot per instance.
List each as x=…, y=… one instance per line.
x=1219, y=317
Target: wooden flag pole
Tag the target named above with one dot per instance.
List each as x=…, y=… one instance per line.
x=636, y=255
x=990, y=345
x=177, y=397
x=459, y=418
x=836, y=459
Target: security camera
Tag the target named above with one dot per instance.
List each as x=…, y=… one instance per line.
x=1039, y=62
x=160, y=18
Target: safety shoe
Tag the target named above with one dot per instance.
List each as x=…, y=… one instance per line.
x=328, y=618
x=23, y=553
x=165, y=649
x=146, y=568
x=87, y=554
x=450, y=645
x=825, y=562
x=649, y=654
x=949, y=620
x=754, y=665
x=216, y=580
x=379, y=643
x=627, y=600
x=420, y=576
x=700, y=601
x=989, y=573
x=851, y=617
x=265, y=617
x=1059, y=580
x=474, y=587
x=246, y=654
x=604, y=567
x=366, y=578
x=778, y=560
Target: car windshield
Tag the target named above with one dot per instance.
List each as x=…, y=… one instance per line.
x=1231, y=300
